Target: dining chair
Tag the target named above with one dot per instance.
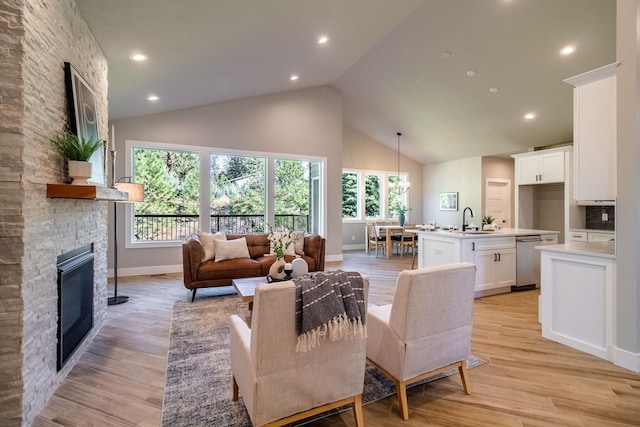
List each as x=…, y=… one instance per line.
x=406, y=239
x=374, y=238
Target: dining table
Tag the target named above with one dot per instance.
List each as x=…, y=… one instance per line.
x=389, y=230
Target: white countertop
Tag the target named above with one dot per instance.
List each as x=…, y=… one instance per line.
x=503, y=232
x=598, y=249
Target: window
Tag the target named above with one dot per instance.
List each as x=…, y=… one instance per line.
x=238, y=193
x=373, y=196
x=195, y=188
x=397, y=194
x=350, y=195
x=378, y=196
x=293, y=194
x=171, y=206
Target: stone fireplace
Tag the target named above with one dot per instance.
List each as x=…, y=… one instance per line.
x=38, y=37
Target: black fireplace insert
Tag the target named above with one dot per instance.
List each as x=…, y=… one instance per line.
x=75, y=300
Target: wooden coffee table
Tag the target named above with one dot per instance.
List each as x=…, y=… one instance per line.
x=246, y=288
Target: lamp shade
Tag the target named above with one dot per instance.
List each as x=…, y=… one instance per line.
x=135, y=191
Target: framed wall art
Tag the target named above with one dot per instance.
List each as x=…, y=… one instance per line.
x=83, y=117
x=449, y=201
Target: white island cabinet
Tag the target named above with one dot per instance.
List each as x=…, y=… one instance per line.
x=494, y=255
x=576, y=296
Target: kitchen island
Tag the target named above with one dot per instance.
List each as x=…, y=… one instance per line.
x=577, y=296
x=493, y=252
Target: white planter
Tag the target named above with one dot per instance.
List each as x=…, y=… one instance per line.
x=80, y=172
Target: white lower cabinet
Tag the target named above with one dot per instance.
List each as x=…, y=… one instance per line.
x=495, y=260
x=494, y=257
x=604, y=236
x=591, y=236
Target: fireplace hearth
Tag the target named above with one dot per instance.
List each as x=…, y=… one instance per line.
x=75, y=300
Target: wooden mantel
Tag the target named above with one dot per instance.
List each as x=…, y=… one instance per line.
x=90, y=192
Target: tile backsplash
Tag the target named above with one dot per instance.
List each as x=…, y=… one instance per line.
x=594, y=217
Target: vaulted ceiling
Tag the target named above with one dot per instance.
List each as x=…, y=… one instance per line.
x=456, y=77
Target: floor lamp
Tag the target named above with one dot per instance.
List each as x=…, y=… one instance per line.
x=136, y=195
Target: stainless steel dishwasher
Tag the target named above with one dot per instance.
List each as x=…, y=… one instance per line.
x=527, y=262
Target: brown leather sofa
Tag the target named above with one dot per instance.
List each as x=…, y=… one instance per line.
x=205, y=274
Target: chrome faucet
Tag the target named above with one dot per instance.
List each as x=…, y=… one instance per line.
x=464, y=221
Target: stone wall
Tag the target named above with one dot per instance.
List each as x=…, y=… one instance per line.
x=38, y=36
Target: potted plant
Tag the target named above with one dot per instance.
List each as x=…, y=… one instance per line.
x=487, y=222
x=77, y=150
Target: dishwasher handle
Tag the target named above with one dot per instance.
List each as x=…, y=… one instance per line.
x=529, y=239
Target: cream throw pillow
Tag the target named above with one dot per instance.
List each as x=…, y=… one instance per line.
x=299, y=242
x=231, y=249
x=207, y=240
x=291, y=249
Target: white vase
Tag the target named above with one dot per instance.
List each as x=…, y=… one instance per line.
x=80, y=172
x=276, y=271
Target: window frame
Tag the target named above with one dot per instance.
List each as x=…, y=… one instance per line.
x=385, y=209
x=205, y=187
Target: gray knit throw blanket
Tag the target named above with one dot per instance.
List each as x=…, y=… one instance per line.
x=329, y=305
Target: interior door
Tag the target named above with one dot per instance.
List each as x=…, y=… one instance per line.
x=498, y=200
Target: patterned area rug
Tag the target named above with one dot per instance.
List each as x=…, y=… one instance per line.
x=198, y=383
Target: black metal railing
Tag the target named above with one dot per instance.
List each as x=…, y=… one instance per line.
x=177, y=227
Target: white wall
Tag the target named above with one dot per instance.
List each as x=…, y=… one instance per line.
x=461, y=176
x=362, y=152
x=303, y=122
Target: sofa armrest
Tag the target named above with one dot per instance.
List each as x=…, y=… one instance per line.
x=314, y=247
x=192, y=252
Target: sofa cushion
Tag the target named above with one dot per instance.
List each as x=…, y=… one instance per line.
x=231, y=249
x=207, y=240
x=230, y=269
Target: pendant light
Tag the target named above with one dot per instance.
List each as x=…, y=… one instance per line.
x=403, y=187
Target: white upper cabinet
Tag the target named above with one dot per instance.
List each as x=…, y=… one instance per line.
x=540, y=167
x=594, y=134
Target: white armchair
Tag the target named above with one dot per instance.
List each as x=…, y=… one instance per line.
x=278, y=384
x=427, y=328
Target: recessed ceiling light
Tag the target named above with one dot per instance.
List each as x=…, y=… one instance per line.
x=494, y=90
x=138, y=57
x=471, y=73
x=293, y=78
x=567, y=50
x=530, y=116
x=152, y=98
x=323, y=39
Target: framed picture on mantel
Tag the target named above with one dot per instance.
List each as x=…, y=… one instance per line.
x=83, y=117
x=449, y=201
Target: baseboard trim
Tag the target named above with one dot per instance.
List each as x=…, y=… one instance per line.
x=355, y=247
x=332, y=258
x=626, y=359
x=150, y=270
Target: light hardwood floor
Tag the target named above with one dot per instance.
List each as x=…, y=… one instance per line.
x=527, y=380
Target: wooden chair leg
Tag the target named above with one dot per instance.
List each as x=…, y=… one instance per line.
x=357, y=410
x=193, y=296
x=401, y=391
x=464, y=376
x=235, y=389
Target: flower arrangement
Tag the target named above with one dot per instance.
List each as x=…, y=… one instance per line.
x=280, y=241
